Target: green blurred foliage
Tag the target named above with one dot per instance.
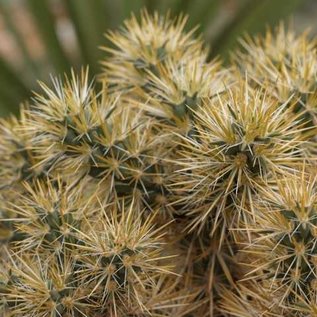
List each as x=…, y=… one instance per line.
x=221, y=21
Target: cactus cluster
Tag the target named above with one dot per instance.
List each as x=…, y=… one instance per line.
x=180, y=187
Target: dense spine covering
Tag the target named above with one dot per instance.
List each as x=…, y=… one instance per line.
x=180, y=188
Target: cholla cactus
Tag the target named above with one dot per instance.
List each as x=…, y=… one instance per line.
x=282, y=251
x=17, y=158
x=18, y=165
x=80, y=256
x=142, y=46
x=47, y=213
x=44, y=288
x=76, y=132
x=179, y=188
x=287, y=64
x=242, y=140
x=156, y=58
x=175, y=91
x=120, y=258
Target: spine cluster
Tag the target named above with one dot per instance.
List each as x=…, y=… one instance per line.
x=181, y=187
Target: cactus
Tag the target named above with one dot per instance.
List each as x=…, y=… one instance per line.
x=287, y=65
x=140, y=47
x=282, y=256
x=175, y=187
x=77, y=133
x=242, y=140
x=18, y=162
x=79, y=255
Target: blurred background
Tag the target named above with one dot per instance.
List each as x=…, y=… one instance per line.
x=43, y=37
